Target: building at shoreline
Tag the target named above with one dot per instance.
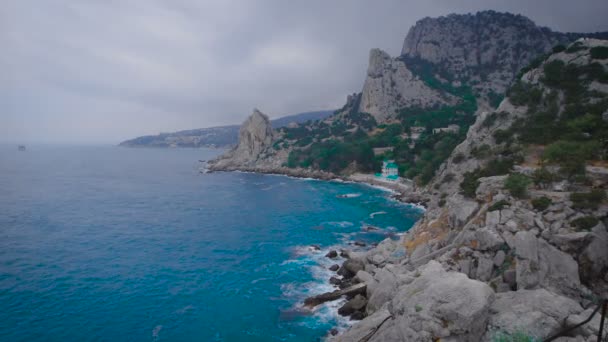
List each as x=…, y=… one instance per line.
x=390, y=170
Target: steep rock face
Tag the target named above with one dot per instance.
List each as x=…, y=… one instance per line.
x=487, y=48
x=541, y=265
x=391, y=86
x=255, y=136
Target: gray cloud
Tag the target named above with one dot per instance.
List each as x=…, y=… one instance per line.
x=108, y=70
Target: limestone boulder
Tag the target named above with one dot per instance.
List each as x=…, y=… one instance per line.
x=538, y=313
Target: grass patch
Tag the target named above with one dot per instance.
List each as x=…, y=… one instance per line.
x=541, y=203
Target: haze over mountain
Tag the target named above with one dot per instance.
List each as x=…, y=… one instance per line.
x=67, y=75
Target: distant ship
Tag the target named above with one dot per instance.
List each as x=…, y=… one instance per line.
x=21, y=147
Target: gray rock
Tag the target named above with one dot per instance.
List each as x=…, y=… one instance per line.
x=488, y=239
x=351, y=267
x=589, y=329
x=355, y=304
x=390, y=86
x=554, y=216
x=420, y=251
x=421, y=308
x=492, y=218
x=510, y=278
x=527, y=274
x=539, y=223
x=525, y=245
x=594, y=259
x=334, y=267
x=465, y=44
x=383, y=291
x=484, y=268
x=499, y=258
x=465, y=266
x=512, y=226
x=364, y=327
x=255, y=136
x=505, y=215
x=502, y=287
x=332, y=254
x=509, y=238
x=558, y=270
x=536, y=312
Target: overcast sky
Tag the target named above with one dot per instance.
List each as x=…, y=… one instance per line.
x=105, y=71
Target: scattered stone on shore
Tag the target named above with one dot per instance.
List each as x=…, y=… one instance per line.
x=333, y=332
x=315, y=247
x=351, y=267
x=351, y=291
x=334, y=267
x=335, y=281
x=370, y=228
x=357, y=303
x=332, y=254
x=359, y=243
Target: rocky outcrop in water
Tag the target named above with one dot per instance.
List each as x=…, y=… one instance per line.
x=255, y=138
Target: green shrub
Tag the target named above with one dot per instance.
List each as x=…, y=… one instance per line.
x=558, y=48
x=499, y=205
x=587, y=200
x=481, y=152
x=470, y=183
x=458, y=158
x=570, y=155
x=542, y=177
x=577, y=46
x=441, y=203
x=517, y=184
x=448, y=178
x=585, y=223
x=502, y=135
x=541, y=203
x=599, y=52
x=553, y=72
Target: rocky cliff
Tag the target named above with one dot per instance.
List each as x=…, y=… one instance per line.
x=391, y=86
x=255, y=137
x=513, y=245
x=486, y=49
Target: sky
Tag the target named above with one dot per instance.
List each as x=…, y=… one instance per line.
x=102, y=71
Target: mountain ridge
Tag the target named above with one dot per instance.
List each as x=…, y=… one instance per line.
x=217, y=136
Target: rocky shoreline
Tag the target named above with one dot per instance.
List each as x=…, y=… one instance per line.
x=403, y=191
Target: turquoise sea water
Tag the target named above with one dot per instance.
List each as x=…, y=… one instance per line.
x=114, y=244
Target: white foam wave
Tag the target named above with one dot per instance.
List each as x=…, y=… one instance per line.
x=353, y=195
x=372, y=215
x=341, y=224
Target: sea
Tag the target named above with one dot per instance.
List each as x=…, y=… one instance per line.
x=104, y=243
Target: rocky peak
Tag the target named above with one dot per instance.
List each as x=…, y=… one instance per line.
x=255, y=136
x=391, y=86
x=487, y=48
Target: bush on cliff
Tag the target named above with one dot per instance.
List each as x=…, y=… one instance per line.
x=517, y=184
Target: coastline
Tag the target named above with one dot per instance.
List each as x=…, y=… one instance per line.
x=338, y=279
x=404, y=192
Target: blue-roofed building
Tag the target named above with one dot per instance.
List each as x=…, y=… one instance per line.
x=390, y=170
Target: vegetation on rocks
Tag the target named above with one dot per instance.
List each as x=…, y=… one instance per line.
x=517, y=184
x=585, y=222
x=588, y=200
x=541, y=203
